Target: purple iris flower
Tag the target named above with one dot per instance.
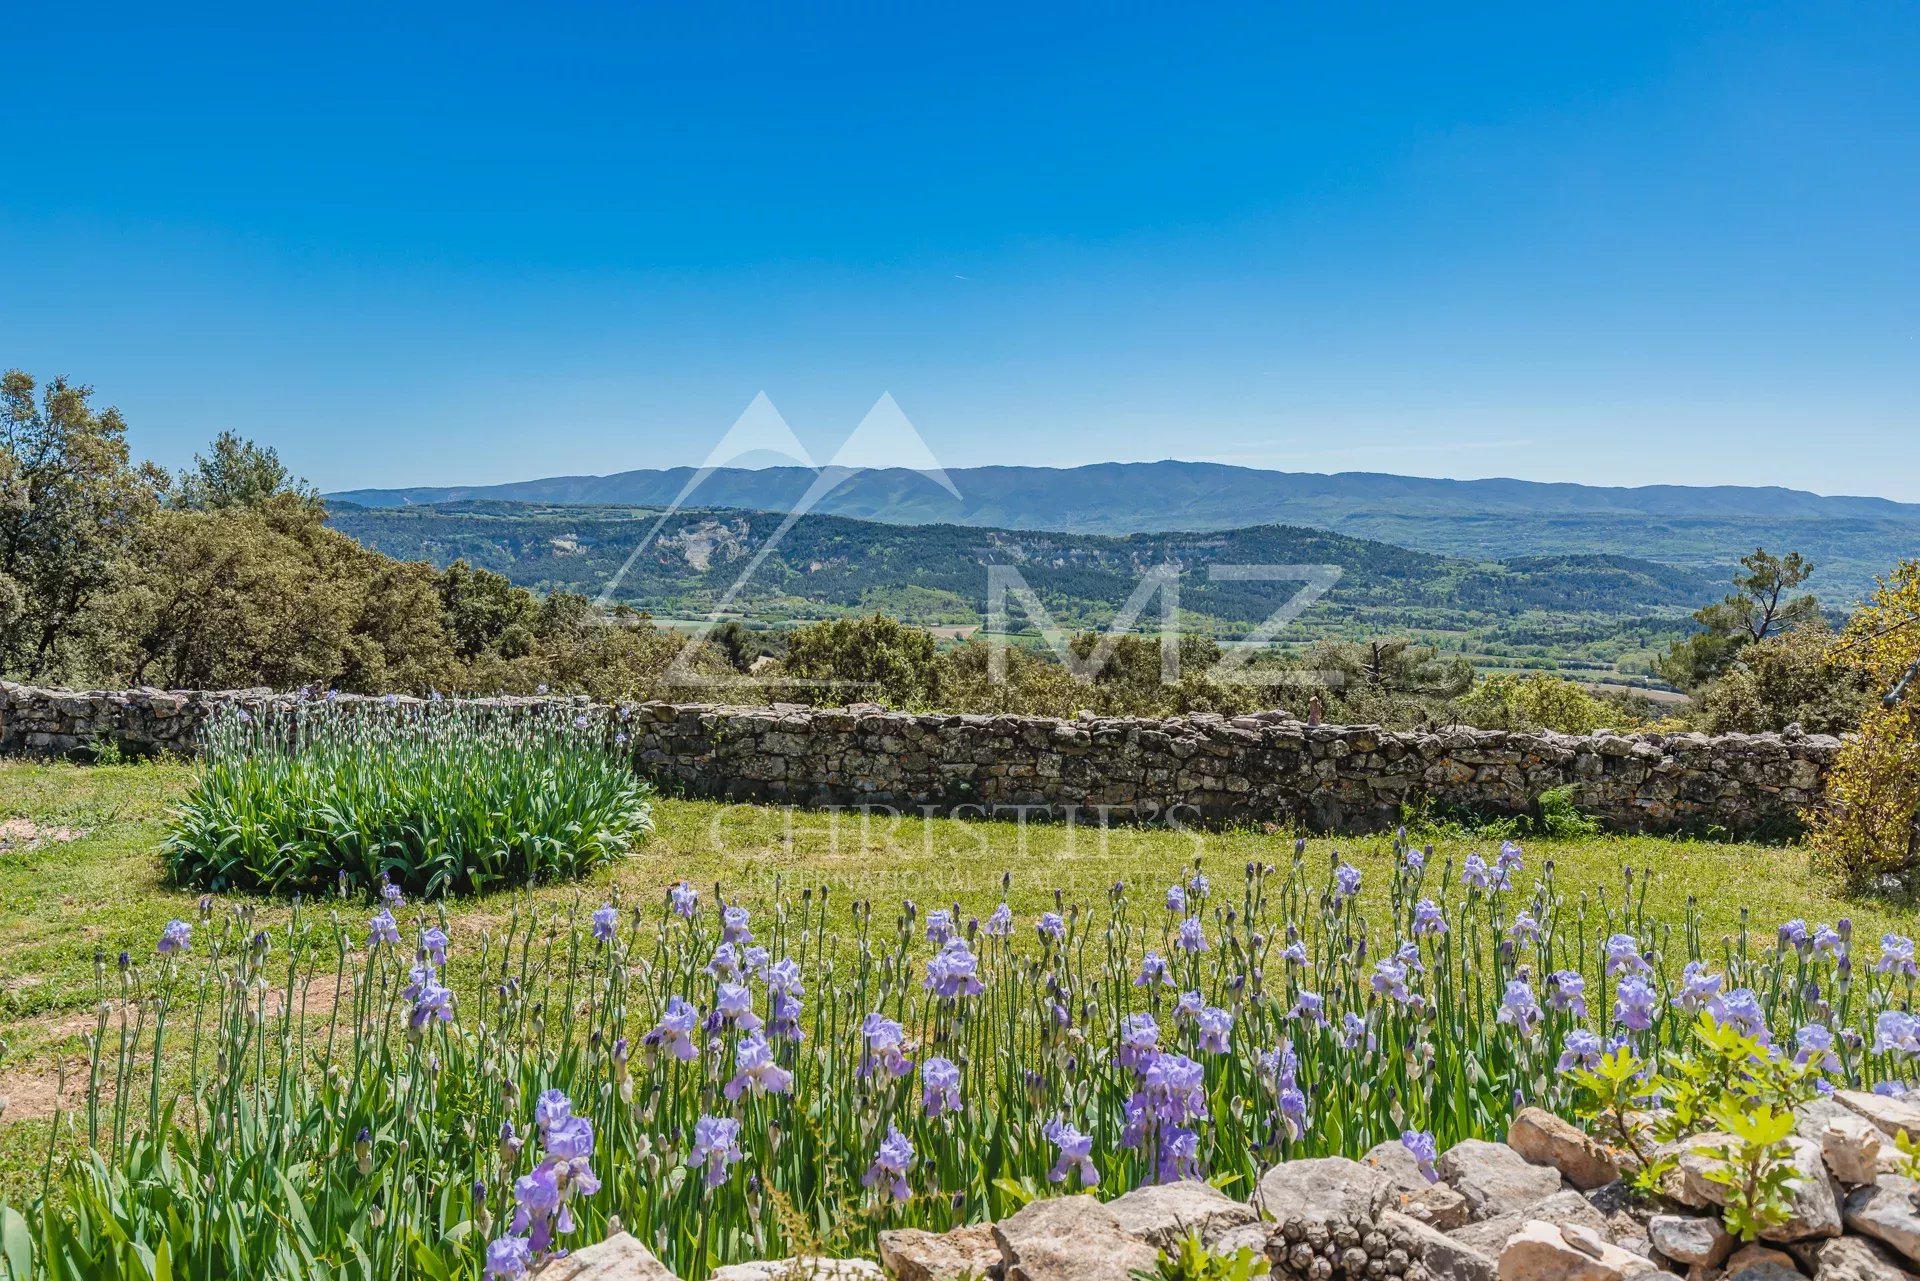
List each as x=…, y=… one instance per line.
x=433, y=941
x=1699, y=990
x=390, y=893
x=939, y=926
x=733, y=1003
x=885, y=1039
x=1191, y=938
x=1353, y=1030
x=605, y=920
x=1154, y=970
x=1828, y=941
x=1294, y=953
x=1567, y=992
x=1814, y=1044
x=1895, y=1032
x=1581, y=1049
x=1051, y=926
x=1476, y=875
x=726, y=963
x=1187, y=1006
x=1508, y=862
x=1413, y=860
x=716, y=1145
x=783, y=1017
x=1519, y=1007
x=1179, y=1154
x=891, y=1162
x=1428, y=919
x=684, y=900
x=176, y=937
x=507, y=1259
x=1139, y=1041
x=1198, y=885
x=754, y=1069
x=1896, y=956
x=1279, y=1065
x=1293, y=1111
x=1623, y=955
x=1310, y=1006
x=1171, y=1092
x=1525, y=930
x=1346, y=882
x=537, y=1207
x=1891, y=1089
x=382, y=929
x=734, y=925
x=1000, y=923
x=953, y=973
x=1390, y=980
x=1421, y=1147
x=1075, y=1153
x=940, y=1087
x=431, y=1001
x=1215, y=1025
x=1633, y=1003
x=1177, y=899
x=674, y=1032
x=1794, y=934
x=1740, y=1009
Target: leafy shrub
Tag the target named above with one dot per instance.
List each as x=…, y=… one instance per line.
x=1561, y=816
x=1802, y=677
x=1728, y=1079
x=875, y=659
x=1507, y=700
x=1191, y=1260
x=436, y=798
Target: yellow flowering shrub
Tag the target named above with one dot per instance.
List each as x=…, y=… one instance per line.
x=1867, y=831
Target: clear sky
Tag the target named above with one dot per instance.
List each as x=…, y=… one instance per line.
x=1617, y=243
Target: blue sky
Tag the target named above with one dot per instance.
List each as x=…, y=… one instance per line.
x=1615, y=243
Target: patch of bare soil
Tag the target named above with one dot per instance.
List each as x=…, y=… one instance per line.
x=33, y=1090
x=19, y=834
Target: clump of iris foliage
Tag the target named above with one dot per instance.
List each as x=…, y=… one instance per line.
x=436, y=797
x=735, y=1084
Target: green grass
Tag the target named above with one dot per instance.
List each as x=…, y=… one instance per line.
x=62, y=902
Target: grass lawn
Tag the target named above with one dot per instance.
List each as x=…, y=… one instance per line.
x=62, y=901
x=81, y=877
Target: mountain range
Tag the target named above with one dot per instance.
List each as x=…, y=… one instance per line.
x=1581, y=612
x=1851, y=539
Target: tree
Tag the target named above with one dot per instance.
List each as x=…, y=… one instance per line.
x=71, y=507
x=874, y=657
x=238, y=473
x=484, y=612
x=268, y=595
x=1507, y=700
x=1761, y=606
x=1801, y=677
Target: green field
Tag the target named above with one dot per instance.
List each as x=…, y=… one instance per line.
x=64, y=902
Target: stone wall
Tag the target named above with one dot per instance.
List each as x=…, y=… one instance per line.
x=1195, y=770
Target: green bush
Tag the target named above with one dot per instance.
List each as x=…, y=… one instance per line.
x=436, y=798
x=1538, y=701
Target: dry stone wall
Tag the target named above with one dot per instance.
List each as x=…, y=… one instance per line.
x=1194, y=770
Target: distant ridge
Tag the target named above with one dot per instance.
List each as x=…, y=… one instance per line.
x=1164, y=495
x=1851, y=539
